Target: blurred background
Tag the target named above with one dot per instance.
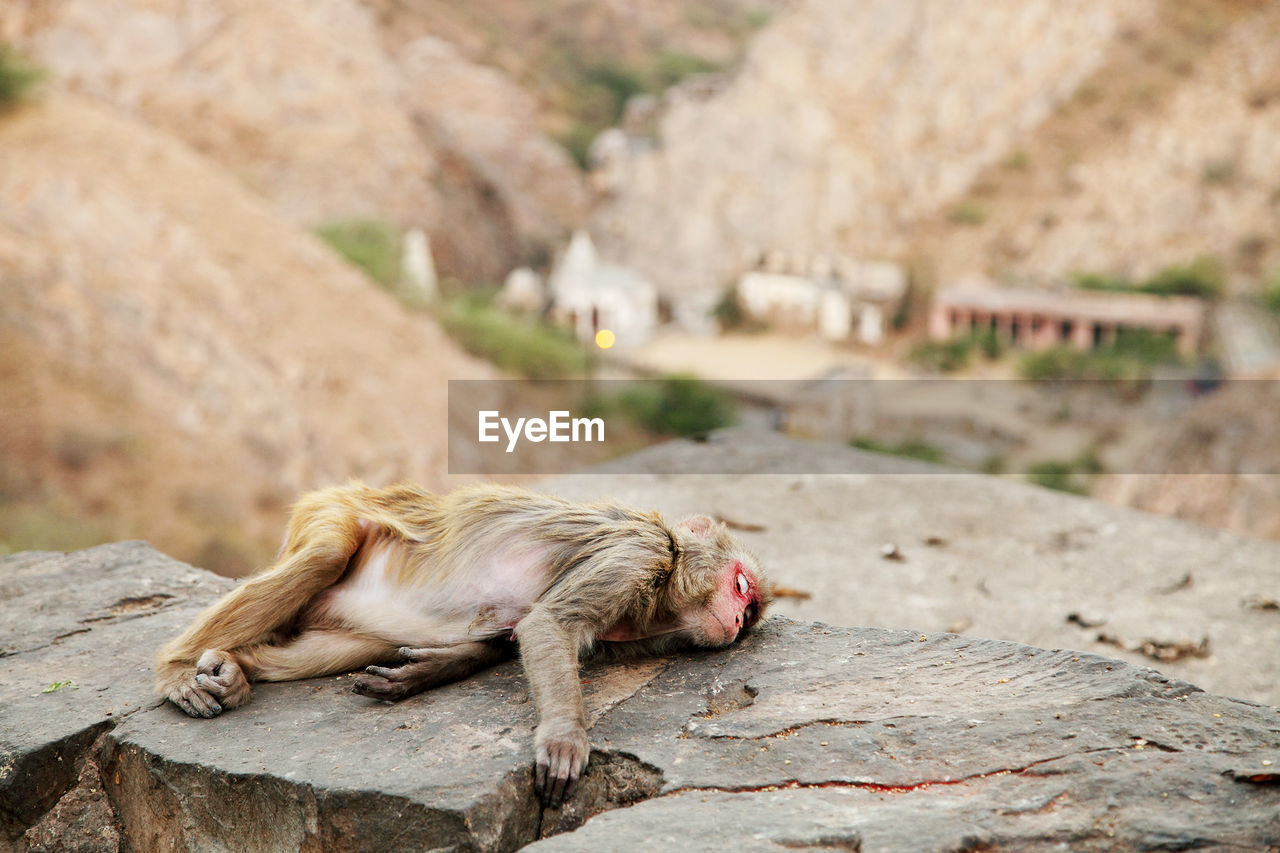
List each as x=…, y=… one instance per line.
x=243, y=245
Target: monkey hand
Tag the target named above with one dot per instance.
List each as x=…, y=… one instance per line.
x=217, y=685
x=424, y=669
x=562, y=751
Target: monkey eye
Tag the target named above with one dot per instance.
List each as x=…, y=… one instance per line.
x=743, y=586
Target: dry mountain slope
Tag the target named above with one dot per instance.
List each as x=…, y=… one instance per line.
x=178, y=357
x=847, y=124
x=1169, y=151
x=301, y=100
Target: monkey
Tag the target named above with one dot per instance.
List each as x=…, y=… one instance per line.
x=441, y=586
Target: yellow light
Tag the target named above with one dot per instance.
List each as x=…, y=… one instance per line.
x=604, y=339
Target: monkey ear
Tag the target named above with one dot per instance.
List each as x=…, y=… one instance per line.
x=702, y=526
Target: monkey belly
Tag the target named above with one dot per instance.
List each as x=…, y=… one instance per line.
x=425, y=608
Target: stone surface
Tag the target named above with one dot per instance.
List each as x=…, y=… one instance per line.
x=802, y=736
x=985, y=556
x=83, y=627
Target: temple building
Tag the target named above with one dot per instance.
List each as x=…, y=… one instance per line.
x=1036, y=319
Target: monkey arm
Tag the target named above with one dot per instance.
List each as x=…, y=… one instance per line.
x=549, y=647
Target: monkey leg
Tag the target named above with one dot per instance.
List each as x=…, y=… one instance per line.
x=318, y=651
x=221, y=679
x=322, y=541
x=427, y=668
x=549, y=651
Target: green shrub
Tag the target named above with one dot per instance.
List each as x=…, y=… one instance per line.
x=1017, y=161
x=620, y=83
x=942, y=356
x=672, y=66
x=968, y=213
x=1059, y=476
x=911, y=448
x=1146, y=346
x=678, y=405
x=989, y=342
x=1220, y=172
x=577, y=141
x=1060, y=362
x=1271, y=293
x=596, y=89
x=953, y=354
x=514, y=344
x=51, y=524
x=728, y=309
x=17, y=76
x=1103, y=281
x=1203, y=277
x=1131, y=357
x=369, y=244
x=1069, y=476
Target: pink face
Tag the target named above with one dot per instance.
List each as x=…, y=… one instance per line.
x=736, y=606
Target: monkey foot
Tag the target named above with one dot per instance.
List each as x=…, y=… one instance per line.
x=193, y=700
x=393, y=682
x=562, y=756
x=218, y=684
x=425, y=668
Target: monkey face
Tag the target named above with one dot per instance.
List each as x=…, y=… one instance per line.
x=734, y=607
x=734, y=591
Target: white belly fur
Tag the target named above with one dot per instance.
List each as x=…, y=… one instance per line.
x=484, y=602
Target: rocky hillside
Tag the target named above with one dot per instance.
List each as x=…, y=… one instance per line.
x=304, y=104
x=1011, y=139
x=847, y=125
x=180, y=355
x=178, y=361
x=1169, y=151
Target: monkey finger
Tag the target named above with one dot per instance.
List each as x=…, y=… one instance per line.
x=211, y=684
x=377, y=688
x=555, y=796
x=386, y=672
x=415, y=655
x=231, y=689
x=198, y=703
x=562, y=774
x=540, y=778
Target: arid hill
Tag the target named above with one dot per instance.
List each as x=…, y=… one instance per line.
x=1016, y=140
x=302, y=103
x=179, y=361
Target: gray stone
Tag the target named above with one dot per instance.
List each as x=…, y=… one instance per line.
x=84, y=627
x=802, y=736
x=986, y=556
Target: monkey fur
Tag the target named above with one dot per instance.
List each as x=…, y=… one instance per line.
x=441, y=584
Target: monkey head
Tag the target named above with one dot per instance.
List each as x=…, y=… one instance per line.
x=716, y=590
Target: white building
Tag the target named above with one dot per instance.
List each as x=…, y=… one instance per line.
x=844, y=301
x=590, y=296
x=522, y=291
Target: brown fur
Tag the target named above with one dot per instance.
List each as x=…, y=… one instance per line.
x=448, y=580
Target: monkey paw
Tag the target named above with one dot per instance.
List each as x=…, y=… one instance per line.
x=562, y=752
x=218, y=684
x=390, y=683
